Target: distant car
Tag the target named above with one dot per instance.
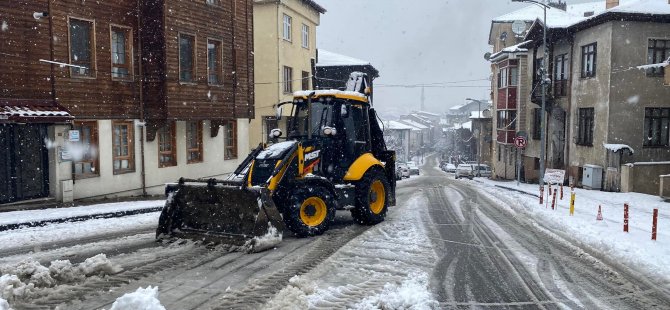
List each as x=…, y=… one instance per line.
x=413, y=168
x=449, y=167
x=465, y=171
x=401, y=170
x=482, y=170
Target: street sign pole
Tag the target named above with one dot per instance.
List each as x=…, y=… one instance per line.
x=520, y=143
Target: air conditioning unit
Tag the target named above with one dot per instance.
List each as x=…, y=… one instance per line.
x=592, y=177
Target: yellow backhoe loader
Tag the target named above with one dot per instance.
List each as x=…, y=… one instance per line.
x=333, y=157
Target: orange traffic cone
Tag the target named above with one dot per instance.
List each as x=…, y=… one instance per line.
x=600, y=214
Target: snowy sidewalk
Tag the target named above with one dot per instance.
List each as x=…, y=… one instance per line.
x=634, y=249
x=34, y=218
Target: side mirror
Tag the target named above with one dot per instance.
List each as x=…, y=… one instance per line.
x=344, y=111
x=275, y=133
x=279, y=112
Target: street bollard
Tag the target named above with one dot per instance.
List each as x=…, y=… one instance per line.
x=553, y=201
x=653, y=225
x=625, y=217
x=541, y=194
x=549, y=189
x=561, y=191
x=572, y=203
x=599, y=217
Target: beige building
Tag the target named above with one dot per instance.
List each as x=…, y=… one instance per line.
x=284, y=51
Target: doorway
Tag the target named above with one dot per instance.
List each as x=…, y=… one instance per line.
x=24, y=164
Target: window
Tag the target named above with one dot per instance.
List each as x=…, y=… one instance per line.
x=537, y=123
x=585, y=127
x=214, y=62
x=121, y=52
x=657, y=52
x=82, y=47
x=286, y=33
x=305, y=36
x=186, y=58
x=167, y=153
x=288, y=79
x=561, y=75
x=506, y=119
x=122, y=145
x=656, y=124
x=513, y=76
x=589, y=60
x=230, y=151
x=305, y=80
x=502, y=78
x=85, y=152
x=194, y=142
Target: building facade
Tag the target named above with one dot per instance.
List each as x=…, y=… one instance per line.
x=153, y=93
x=285, y=49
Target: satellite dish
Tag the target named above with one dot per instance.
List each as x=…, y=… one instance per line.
x=487, y=55
x=503, y=36
x=518, y=27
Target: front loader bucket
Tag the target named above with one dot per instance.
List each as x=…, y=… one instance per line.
x=221, y=213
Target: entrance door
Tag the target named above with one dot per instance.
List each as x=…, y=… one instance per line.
x=24, y=163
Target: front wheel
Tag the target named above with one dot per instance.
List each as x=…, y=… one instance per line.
x=372, y=198
x=310, y=211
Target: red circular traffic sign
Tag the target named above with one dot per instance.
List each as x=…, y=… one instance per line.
x=520, y=142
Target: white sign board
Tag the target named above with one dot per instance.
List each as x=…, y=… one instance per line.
x=73, y=135
x=554, y=176
x=64, y=154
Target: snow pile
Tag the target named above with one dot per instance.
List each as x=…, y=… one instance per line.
x=412, y=293
x=11, y=287
x=265, y=242
x=617, y=147
x=141, y=299
x=98, y=265
x=22, y=280
x=293, y=296
x=276, y=150
x=4, y=305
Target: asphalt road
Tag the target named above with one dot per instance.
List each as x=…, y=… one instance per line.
x=493, y=259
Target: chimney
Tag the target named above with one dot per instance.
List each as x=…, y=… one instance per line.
x=612, y=3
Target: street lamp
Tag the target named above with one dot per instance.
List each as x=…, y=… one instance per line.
x=479, y=133
x=543, y=137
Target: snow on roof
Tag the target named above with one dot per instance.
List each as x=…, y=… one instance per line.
x=617, y=147
x=414, y=124
x=555, y=17
x=512, y=49
x=444, y=121
x=395, y=125
x=655, y=66
x=643, y=7
x=466, y=125
x=329, y=59
x=327, y=92
x=456, y=107
x=427, y=113
x=478, y=114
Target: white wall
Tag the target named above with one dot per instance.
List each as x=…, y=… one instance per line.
x=129, y=184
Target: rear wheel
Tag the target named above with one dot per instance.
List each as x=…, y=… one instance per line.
x=309, y=211
x=372, y=198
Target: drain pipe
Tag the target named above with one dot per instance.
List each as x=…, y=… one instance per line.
x=141, y=97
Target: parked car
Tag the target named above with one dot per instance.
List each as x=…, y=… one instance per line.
x=448, y=167
x=482, y=170
x=413, y=168
x=401, y=170
x=465, y=171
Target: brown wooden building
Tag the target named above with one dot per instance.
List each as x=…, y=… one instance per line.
x=127, y=94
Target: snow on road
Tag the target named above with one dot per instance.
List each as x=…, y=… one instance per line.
x=387, y=267
x=634, y=249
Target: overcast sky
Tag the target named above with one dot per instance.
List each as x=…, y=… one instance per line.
x=416, y=42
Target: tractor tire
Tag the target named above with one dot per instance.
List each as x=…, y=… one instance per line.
x=372, y=198
x=309, y=211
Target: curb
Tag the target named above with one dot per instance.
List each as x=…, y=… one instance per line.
x=517, y=190
x=79, y=218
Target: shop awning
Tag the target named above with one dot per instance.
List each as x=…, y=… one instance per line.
x=33, y=111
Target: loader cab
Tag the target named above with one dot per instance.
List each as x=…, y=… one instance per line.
x=337, y=124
